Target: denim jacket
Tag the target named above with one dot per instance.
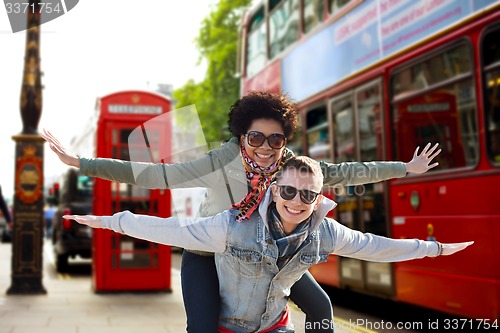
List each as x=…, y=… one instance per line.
x=253, y=291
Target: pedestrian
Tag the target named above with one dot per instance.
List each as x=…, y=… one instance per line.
x=259, y=259
x=6, y=235
x=237, y=175
x=48, y=215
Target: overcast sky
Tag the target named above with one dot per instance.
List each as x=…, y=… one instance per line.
x=97, y=48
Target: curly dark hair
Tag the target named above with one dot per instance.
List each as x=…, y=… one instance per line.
x=263, y=105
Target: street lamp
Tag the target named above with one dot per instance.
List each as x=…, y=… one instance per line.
x=27, y=237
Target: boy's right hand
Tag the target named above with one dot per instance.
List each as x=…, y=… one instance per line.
x=64, y=155
x=90, y=220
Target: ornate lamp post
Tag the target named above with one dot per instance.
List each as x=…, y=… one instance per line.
x=27, y=238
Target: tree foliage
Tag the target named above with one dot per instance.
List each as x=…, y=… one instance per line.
x=217, y=43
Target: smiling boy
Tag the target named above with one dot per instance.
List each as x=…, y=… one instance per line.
x=259, y=259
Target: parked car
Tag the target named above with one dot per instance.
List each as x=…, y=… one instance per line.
x=69, y=238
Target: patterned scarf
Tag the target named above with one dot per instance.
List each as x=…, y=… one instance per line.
x=258, y=179
x=287, y=244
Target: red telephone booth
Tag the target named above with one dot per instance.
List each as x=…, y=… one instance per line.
x=120, y=262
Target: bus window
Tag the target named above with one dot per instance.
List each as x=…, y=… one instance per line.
x=318, y=140
x=442, y=67
x=491, y=63
x=336, y=5
x=313, y=14
x=344, y=150
x=368, y=103
x=437, y=69
x=434, y=101
x=369, y=110
x=256, y=43
x=283, y=26
x=343, y=130
x=295, y=144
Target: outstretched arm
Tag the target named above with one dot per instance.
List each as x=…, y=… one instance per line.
x=202, y=172
x=358, y=173
x=203, y=234
x=366, y=246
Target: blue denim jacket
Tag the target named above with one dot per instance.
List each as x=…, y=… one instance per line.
x=253, y=291
x=252, y=288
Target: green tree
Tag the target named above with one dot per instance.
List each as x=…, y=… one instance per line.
x=217, y=43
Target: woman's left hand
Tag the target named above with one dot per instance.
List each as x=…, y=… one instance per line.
x=420, y=163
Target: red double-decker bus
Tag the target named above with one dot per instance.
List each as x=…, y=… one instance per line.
x=374, y=80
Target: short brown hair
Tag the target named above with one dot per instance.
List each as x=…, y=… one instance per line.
x=263, y=105
x=302, y=164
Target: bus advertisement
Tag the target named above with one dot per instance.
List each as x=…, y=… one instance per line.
x=375, y=79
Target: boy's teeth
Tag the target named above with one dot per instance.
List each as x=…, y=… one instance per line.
x=293, y=210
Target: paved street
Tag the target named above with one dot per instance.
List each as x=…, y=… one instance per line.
x=71, y=306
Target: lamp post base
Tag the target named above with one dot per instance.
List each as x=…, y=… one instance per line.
x=26, y=286
x=27, y=235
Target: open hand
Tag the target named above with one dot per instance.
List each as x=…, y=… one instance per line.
x=90, y=220
x=64, y=155
x=420, y=163
x=454, y=247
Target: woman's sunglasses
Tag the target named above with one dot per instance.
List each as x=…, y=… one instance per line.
x=289, y=192
x=256, y=139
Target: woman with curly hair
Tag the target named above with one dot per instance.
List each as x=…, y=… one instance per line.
x=236, y=176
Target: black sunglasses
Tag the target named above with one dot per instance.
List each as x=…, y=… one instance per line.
x=256, y=139
x=289, y=192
